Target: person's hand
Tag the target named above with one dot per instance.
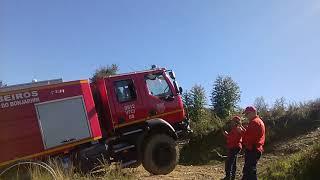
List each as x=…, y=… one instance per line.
x=241, y=129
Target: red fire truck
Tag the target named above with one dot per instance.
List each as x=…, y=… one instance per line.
x=133, y=118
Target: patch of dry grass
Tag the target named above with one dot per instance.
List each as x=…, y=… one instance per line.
x=36, y=172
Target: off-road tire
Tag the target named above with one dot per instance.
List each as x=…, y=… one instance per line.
x=160, y=154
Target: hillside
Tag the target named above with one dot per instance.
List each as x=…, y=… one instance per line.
x=279, y=151
x=280, y=157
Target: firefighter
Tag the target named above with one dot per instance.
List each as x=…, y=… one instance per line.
x=234, y=146
x=253, y=141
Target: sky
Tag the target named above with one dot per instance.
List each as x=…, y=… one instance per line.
x=270, y=48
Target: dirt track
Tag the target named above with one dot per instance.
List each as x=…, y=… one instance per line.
x=187, y=172
x=216, y=171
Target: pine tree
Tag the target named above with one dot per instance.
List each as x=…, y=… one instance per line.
x=198, y=102
x=187, y=101
x=224, y=96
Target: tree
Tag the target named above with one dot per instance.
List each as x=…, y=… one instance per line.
x=262, y=106
x=194, y=102
x=279, y=107
x=105, y=71
x=201, y=120
x=187, y=101
x=224, y=96
x=198, y=102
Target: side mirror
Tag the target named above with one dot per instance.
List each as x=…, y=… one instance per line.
x=180, y=90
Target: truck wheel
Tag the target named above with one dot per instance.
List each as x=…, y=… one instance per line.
x=160, y=155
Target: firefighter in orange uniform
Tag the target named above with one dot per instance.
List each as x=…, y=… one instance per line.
x=234, y=146
x=253, y=141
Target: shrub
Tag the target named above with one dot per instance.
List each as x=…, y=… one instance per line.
x=287, y=121
x=203, y=149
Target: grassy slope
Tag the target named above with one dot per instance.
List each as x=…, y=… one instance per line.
x=303, y=165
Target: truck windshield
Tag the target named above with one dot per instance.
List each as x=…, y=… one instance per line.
x=158, y=86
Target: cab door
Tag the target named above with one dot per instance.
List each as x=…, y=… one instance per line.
x=163, y=101
x=127, y=101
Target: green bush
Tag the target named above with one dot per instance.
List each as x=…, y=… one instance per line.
x=203, y=149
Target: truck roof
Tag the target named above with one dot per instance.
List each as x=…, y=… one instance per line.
x=138, y=72
x=58, y=81
x=30, y=85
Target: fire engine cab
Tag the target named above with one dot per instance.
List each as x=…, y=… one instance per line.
x=133, y=118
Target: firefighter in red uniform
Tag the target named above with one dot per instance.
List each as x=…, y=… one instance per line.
x=253, y=141
x=234, y=146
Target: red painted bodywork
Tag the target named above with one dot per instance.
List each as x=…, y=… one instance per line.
x=20, y=134
x=112, y=110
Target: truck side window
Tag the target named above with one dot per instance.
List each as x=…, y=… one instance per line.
x=125, y=91
x=158, y=86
